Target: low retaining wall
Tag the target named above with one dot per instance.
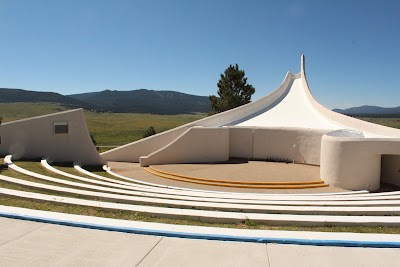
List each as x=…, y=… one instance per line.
x=241, y=142
x=196, y=145
x=354, y=163
x=201, y=144
x=292, y=144
x=37, y=138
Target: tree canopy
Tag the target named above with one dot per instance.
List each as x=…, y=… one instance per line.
x=233, y=90
x=149, y=132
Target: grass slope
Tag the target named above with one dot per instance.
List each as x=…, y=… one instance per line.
x=109, y=129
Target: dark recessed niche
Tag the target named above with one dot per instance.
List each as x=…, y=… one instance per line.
x=61, y=127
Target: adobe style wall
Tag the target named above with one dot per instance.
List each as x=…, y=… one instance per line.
x=293, y=144
x=206, y=144
x=355, y=163
x=196, y=145
x=35, y=138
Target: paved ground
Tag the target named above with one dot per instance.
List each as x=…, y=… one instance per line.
x=257, y=171
x=24, y=243
x=251, y=171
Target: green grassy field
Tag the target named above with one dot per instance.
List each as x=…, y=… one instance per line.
x=109, y=129
x=115, y=129
x=122, y=128
x=390, y=122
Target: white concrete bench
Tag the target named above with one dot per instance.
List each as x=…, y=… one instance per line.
x=289, y=200
x=228, y=204
x=217, y=216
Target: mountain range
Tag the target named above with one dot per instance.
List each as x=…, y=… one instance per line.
x=370, y=111
x=135, y=101
x=8, y=95
x=146, y=101
x=150, y=101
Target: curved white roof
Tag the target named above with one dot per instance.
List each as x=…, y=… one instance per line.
x=294, y=110
x=292, y=105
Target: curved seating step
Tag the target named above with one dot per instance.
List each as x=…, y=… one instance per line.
x=180, y=193
x=358, y=206
x=352, y=194
x=344, y=239
x=217, y=216
x=194, y=198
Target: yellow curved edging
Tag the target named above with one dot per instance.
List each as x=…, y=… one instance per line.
x=237, y=186
x=235, y=182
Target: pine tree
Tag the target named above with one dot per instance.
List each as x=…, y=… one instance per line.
x=149, y=132
x=233, y=90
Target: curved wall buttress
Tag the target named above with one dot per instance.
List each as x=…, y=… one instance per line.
x=34, y=138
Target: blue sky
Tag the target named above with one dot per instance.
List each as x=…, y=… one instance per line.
x=352, y=48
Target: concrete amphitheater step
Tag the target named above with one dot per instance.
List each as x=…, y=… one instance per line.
x=236, y=184
x=360, y=201
x=366, y=201
x=358, y=196
x=205, y=232
x=130, y=186
x=217, y=216
x=180, y=193
x=157, y=170
x=343, y=208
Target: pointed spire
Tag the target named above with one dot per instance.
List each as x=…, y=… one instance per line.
x=303, y=67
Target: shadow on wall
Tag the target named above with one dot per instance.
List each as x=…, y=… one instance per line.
x=390, y=169
x=61, y=137
x=206, y=144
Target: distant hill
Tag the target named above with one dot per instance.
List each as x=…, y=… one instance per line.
x=8, y=95
x=146, y=101
x=135, y=101
x=370, y=111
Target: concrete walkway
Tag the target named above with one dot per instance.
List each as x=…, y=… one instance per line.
x=25, y=243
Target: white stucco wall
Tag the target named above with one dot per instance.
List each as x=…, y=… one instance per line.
x=298, y=144
x=355, y=163
x=35, y=138
x=241, y=142
x=196, y=145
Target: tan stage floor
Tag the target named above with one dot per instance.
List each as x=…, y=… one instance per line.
x=235, y=170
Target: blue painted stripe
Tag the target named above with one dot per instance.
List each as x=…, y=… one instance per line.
x=293, y=241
